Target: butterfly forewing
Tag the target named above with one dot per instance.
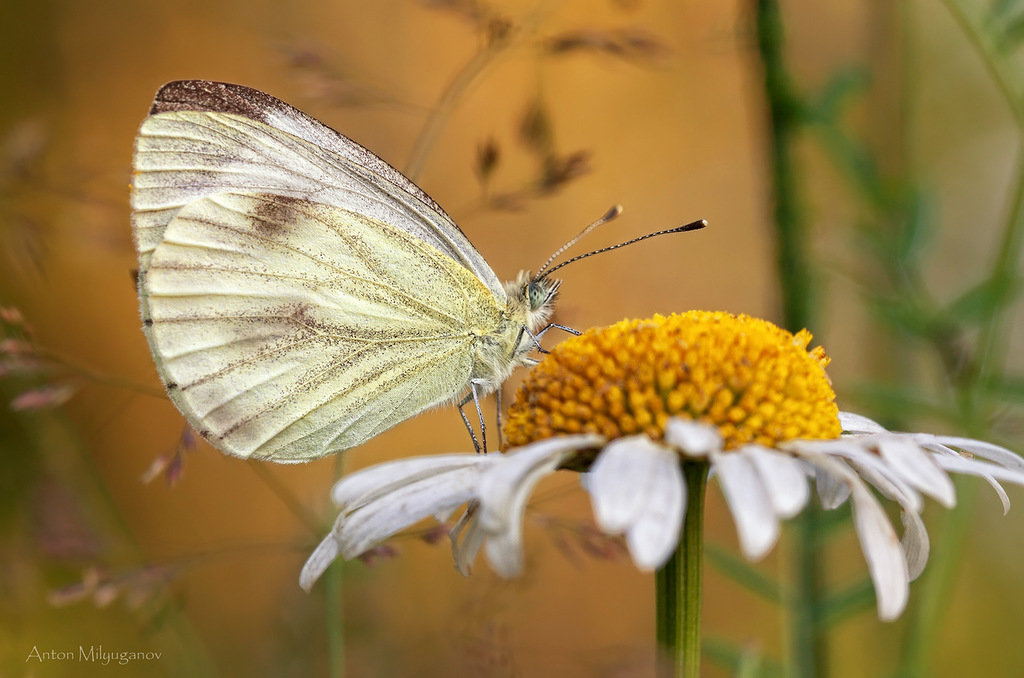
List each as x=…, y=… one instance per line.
x=288, y=329
x=222, y=97
x=184, y=155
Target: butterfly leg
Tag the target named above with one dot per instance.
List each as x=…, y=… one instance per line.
x=469, y=427
x=475, y=397
x=535, y=338
x=497, y=414
x=558, y=327
x=479, y=413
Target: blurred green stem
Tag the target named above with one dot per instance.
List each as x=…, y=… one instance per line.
x=931, y=597
x=927, y=611
x=285, y=495
x=500, y=34
x=334, y=621
x=999, y=68
x=97, y=376
x=678, y=586
x=446, y=104
x=1004, y=268
x=933, y=591
x=1004, y=273
x=334, y=602
x=784, y=118
x=807, y=647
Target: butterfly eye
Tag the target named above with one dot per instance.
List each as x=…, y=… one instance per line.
x=538, y=294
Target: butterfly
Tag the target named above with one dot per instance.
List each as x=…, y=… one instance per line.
x=299, y=295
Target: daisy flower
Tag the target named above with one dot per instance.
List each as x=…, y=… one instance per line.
x=641, y=409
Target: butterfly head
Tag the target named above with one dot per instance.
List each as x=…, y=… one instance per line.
x=535, y=297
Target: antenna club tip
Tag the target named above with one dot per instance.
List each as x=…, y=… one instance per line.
x=613, y=212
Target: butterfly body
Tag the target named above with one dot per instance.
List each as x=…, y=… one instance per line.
x=299, y=295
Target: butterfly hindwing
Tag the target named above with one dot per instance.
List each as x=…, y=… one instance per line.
x=288, y=329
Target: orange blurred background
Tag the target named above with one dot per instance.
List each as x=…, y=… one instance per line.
x=674, y=130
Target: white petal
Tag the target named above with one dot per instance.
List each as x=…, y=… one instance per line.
x=872, y=469
x=637, y=488
x=915, y=543
x=501, y=486
x=464, y=549
x=619, y=478
x=883, y=552
x=857, y=423
x=365, y=484
x=990, y=472
x=917, y=467
x=943, y=453
x=1004, y=498
x=444, y=513
x=831, y=490
x=505, y=552
x=785, y=479
x=374, y=521
x=505, y=488
x=999, y=455
x=691, y=437
x=323, y=555
x=752, y=511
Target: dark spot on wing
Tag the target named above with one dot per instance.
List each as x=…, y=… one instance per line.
x=273, y=214
x=148, y=322
x=172, y=385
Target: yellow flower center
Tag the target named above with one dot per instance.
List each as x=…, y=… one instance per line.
x=755, y=382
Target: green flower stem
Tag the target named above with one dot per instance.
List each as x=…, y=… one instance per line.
x=807, y=646
x=678, y=586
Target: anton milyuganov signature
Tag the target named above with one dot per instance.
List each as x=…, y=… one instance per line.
x=94, y=654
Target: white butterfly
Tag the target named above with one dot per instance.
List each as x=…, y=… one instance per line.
x=300, y=295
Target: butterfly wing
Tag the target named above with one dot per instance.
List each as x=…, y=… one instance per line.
x=204, y=138
x=287, y=330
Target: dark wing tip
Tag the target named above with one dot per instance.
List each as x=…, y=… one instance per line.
x=210, y=95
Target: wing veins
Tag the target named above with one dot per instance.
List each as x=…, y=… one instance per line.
x=338, y=162
x=383, y=284
x=266, y=154
x=340, y=337
x=340, y=394
x=316, y=377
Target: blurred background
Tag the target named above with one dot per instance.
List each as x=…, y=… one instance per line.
x=900, y=127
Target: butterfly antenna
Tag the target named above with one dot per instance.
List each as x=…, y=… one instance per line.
x=692, y=226
x=615, y=211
